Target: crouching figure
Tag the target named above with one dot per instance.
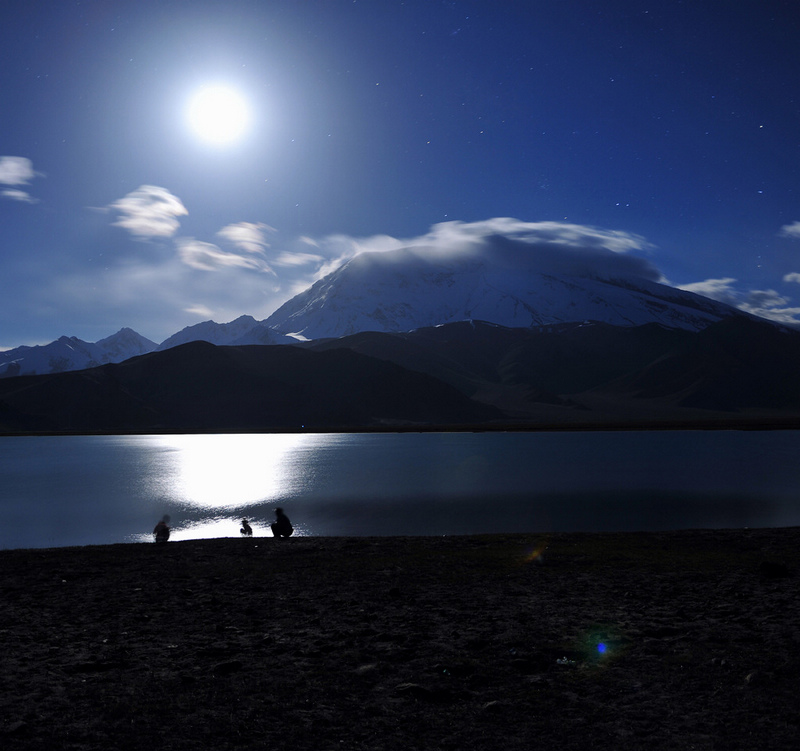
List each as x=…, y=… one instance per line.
x=281, y=527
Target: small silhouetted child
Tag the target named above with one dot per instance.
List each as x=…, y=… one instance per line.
x=246, y=529
x=281, y=527
x=161, y=531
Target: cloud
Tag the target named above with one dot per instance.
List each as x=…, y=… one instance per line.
x=765, y=303
x=792, y=278
x=18, y=195
x=200, y=310
x=721, y=290
x=791, y=230
x=288, y=260
x=562, y=234
x=766, y=299
x=788, y=316
x=548, y=247
x=15, y=171
x=157, y=296
x=148, y=212
x=247, y=236
x=209, y=257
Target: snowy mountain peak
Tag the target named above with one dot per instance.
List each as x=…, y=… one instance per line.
x=126, y=343
x=404, y=289
x=413, y=288
x=71, y=353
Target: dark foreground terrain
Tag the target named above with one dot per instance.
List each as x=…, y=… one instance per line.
x=739, y=373
x=677, y=640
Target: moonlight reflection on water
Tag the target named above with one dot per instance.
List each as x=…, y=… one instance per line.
x=228, y=471
x=81, y=490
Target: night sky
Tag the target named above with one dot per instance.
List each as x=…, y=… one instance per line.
x=362, y=124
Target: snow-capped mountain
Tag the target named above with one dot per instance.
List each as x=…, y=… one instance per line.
x=124, y=344
x=402, y=290
x=408, y=289
x=71, y=353
x=244, y=330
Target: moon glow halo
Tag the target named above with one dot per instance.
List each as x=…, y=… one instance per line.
x=218, y=114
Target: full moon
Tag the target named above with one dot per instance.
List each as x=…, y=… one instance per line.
x=218, y=114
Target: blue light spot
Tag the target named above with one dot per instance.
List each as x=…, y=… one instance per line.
x=601, y=648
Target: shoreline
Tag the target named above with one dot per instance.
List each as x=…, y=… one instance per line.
x=651, y=640
x=733, y=422
x=390, y=539
x=311, y=539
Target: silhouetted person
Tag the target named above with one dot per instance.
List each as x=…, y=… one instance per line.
x=161, y=531
x=281, y=527
x=246, y=529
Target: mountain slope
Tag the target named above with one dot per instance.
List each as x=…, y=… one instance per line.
x=401, y=290
x=597, y=373
x=243, y=330
x=519, y=370
x=732, y=365
x=202, y=387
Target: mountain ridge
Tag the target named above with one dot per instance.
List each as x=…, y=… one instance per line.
x=406, y=290
x=731, y=367
x=465, y=376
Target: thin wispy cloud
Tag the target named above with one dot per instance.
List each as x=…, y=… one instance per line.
x=774, y=312
x=766, y=299
x=158, y=295
x=563, y=234
x=247, y=236
x=288, y=259
x=766, y=303
x=791, y=230
x=149, y=212
x=722, y=290
x=18, y=195
x=199, y=310
x=209, y=257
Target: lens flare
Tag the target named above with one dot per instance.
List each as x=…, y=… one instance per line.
x=536, y=554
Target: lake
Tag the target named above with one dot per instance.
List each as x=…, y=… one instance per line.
x=62, y=491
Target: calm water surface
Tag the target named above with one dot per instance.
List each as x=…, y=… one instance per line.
x=58, y=491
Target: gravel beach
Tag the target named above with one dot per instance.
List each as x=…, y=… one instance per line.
x=668, y=640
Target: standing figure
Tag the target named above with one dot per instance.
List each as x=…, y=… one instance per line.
x=161, y=531
x=281, y=527
x=246, y=529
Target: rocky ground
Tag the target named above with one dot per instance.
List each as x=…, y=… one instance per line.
x=677, y=640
